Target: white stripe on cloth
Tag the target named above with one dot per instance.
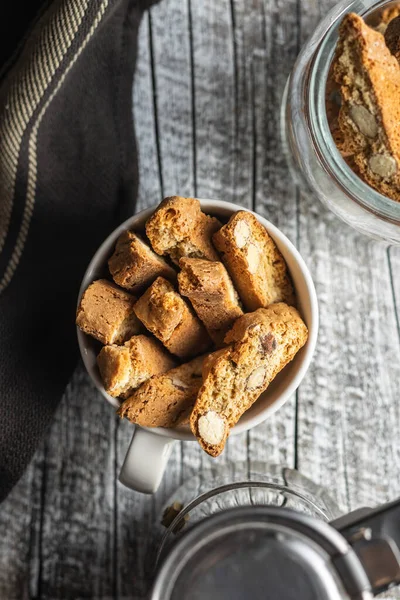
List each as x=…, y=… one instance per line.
x=32, y=156
x=24, y=97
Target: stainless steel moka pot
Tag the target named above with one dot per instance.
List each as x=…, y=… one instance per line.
x=275, y=553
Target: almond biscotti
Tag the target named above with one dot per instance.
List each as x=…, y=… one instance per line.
x=254, y=262
x=369, y=79
x=166, y=314
x=165, y=400
x=106, y=313
x=210, y=290
x=125, y=368
x=134, y=265
x=261, y=344
x=179, y=228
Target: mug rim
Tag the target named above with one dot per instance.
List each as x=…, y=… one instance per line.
x=247, y=421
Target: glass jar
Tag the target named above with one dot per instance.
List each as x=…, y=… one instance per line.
x=234, y=533
x=219, y=489
x=314, y=159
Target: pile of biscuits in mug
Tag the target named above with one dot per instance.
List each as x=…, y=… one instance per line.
x=197, y=336
x=363, y=99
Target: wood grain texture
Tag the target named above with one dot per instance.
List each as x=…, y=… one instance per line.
x=144, y=107
x=20, y=524
x=206, y=102
x=79, y=503
x=214, y=93
x=173, y=89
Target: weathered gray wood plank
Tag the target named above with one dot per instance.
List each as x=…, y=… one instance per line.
x=275, y=193
x=20, y=531
x=136, y=516
x=393, y=456
x=134, y=519
x=348, y=409
x=214, y=91
x=76, y=550
x=144, y=102
x=173, y=88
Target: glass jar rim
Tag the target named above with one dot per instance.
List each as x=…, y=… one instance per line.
x=325, y=39
x=258, y=481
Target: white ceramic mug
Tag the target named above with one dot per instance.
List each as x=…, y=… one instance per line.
x=150, y=449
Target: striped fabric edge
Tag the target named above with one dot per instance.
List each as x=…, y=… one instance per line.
x=24, y=99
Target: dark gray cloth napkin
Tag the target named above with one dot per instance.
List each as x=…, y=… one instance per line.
x=68, y=176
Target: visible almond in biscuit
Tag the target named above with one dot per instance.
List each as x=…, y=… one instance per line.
x=253, y=258
x=241, y=233
x=253, y=261
x=256, y=378
x=260, y=345
x=212, y=428
x=364, y=120
x=369, y=79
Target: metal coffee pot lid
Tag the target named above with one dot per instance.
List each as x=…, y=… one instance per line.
x=259, y=552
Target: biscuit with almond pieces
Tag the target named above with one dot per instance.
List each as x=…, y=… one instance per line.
x=257, y=268
x=261, y=344
x=369, y=79
x=165, y=400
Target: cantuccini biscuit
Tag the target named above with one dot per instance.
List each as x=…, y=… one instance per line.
x=106, y=313
x=125, y=368
x=210, y=290
x=333, y=101
x=165, y=400
x=255, y=264
x=179, y=228
x=166, y=314
x=369, y=79
x=260, y=345
x=134, y=266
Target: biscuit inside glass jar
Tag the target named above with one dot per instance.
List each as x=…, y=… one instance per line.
x=361, y=99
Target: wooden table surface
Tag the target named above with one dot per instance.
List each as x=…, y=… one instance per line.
x=209, y=81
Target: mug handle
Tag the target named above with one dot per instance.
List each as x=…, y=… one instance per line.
x=145, y=461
